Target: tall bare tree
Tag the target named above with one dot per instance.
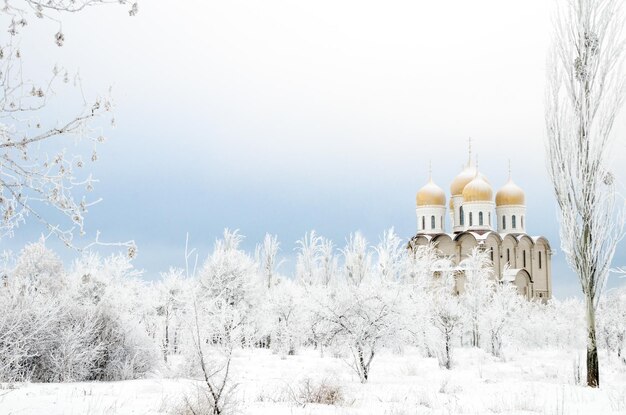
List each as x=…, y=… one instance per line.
x=585, y=91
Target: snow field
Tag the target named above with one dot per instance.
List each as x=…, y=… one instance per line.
x=537, y=381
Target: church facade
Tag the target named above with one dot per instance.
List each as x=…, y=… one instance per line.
x=498, y=227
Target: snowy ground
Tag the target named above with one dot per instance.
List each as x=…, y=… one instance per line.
x=531, y=382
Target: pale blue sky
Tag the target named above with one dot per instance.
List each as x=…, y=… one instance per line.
x=282, y=116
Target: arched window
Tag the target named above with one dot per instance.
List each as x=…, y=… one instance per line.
x=470, y=219
x=441, y=221
x=489, y=216
x=480, y=218
x=492, y=254
x=423, y=222
x=524, y=255
x=513, y=222
x=461, y=218
x=508, y=255
x=522, y=219
x=503, y=222
x=539, y=258
x=432, y=222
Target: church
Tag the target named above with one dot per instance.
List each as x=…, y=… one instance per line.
x=499, y=228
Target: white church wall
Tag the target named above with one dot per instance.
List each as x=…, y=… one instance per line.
x=457, y=201
x=425, y=215
x=540, y=274
x=505, y=216
x=509, y=245
x=474, y=211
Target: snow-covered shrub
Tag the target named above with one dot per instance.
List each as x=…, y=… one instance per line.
x=322, y=392
x=553, y=324
x=201, y=402
x=612, y=322
x=126, y=350
x=112, y=288
x=70, y=349
x=24, y=326
x=81, y=325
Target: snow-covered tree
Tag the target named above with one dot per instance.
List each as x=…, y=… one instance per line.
x=328, y=268
x=585, y=94
x=446, y=316
x=501, y=315
x=229, y=283
x=316, y=262
x=478, y=288
x=37, y=269
x=390, y=256
x=173, y=297
x=362, y=319
x=212, y=363
x=307, y=258
x=266, y=256
x=357, y=259
x=288, y=310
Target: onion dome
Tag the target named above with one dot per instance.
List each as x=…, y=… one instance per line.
x=478, y=190
x=463, y=178
x=431, y=195
x=510, y=194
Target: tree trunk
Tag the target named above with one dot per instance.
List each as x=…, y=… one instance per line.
x=166, y=346
x=475, y=335
x=364, y=368
x=448, y=364
x=593, y=367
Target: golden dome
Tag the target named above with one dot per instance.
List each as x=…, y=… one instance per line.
x=510, y=194
x=478, y=190
x=459, y=182
x=431, y=195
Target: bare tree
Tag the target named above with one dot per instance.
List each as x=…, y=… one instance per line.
x=217, y=399
x=38, y=175
x=585, y=92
